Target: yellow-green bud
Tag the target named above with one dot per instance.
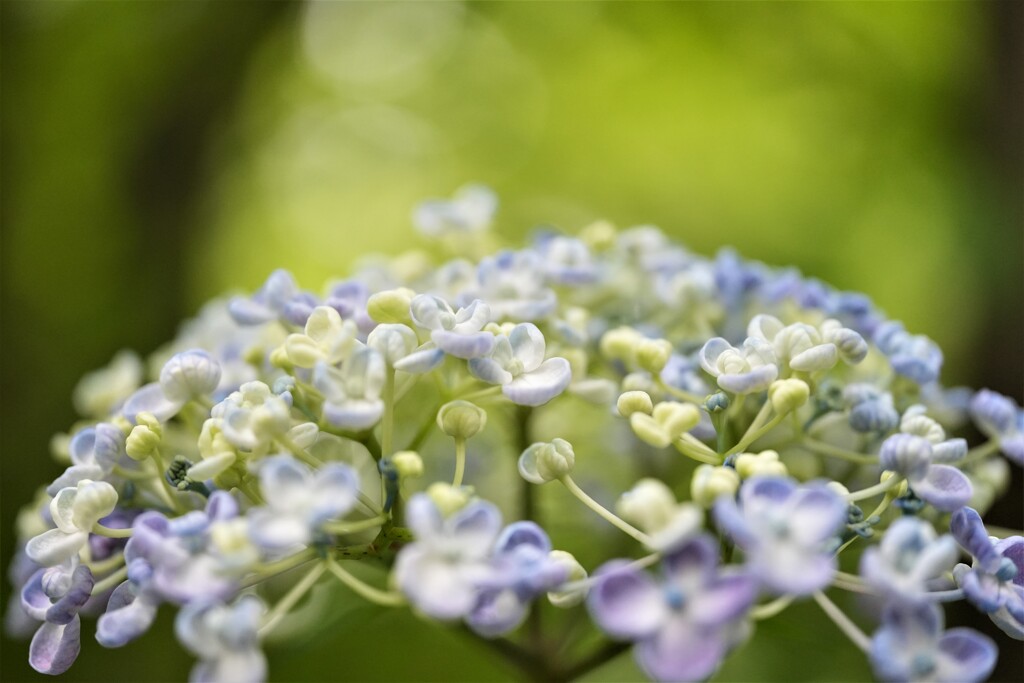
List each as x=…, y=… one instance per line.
x=547, y=461
x=765, y=463
x=787, y=395
x=279, y=359
x=499, y=329
x=577, y=361
x=648, y=430
x=391, y=306
x=838, y=488
x=461, y=419
x=653, y=354
x=142, y=442
x=620, y=343
x=574, y=572
x=650, y=505
x=599, y=236
x=448, y=499
x=897, y=491
x=676, y=418
x=408, y=464
x=634, y=402
x=59, y=448
x=710, y=481
x=231, y=537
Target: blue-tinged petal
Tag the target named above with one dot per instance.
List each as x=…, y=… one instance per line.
x=127, y=617
x=487, y=370
x=476, y=526
x=496, y=612
x=951, y=450
x=1013, y=548
x=964, y=656
x=248, y=312
x=528, y=346
x=541, y=385
x=473, y=317
x=66, y=608
x=34, y=599
x=55, y=647
x=234, y=666
x=54, y=546
x=817, y=513
x=945, y=487
x=731, y=521
x=710, y=352
x=698, y=556
x=1010, y=619
x=968, y=529
x=757, y=379
x=1013, y=447
x=423, y=517
x=785, y=570
x=150, y=399
x=681, y=651
x=981, y=590
x=723, y=600
x=466, y=346
x=333, y=492
x=221, y=506
x=435, y=586
x=285, y=482
x=73, y=475
x=354, y=414
x=427, y=310
x=626, y=603
x=907, y=454
x=275, y=531
x=419, y=362
x=522, y=533
x=993, y=413
x=816, y=358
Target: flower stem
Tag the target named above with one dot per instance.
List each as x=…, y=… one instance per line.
x=285, y=604
x=609, y=516
x=753, y=435
x=101, y=530
x=844, y=623
x=460, y=461
x=831, y=451
x=364, y=590
x=109, y=582
x=352, y=527
x=387, y=425
x=770, y=609
x=872, y=491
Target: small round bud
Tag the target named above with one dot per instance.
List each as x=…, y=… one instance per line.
x=634, y=402
x=648, y=430
x=391, y=306
x=676, y=418
x=142, y=442
x=544, y=462
x=189, y=374
x=650, y=505
x=620, y=343
x=652, y=355
x=408, y=464
x=93, y=501
x=709, y=482
x=599, y=235
x=787, y=395
x=448, y=499
x=717, y=402
x=392, y=341
x=838, y=488
x=906, y=454
x=279, y=359
x=149, y=420
x=640, y=381
x=461, y=419
x=574, y=571
x=763, y=464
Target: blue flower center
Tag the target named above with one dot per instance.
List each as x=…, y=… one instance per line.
x=675, y=597
x=922, y=665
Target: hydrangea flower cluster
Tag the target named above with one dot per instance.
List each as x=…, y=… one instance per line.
x=790, y=442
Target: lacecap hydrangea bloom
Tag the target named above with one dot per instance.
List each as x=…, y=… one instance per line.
x=712, y=440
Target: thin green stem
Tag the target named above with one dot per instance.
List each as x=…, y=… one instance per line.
x=609, y=516
x=109, y=582
x=112, y=562
x=291, y=598
x=872, y=491
x=687, y=449
x=831, y=451
x=753, y=435
x=364, y=590
x=387, y=424
x=770, y=609
x=101, y=530
x=352, y=527
x=299, y=452
x=850, y=629
x=272, y=569
x=460, y=461
x=980, y=452
x=678, y=393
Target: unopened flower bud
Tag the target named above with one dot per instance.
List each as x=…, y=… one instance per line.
x=448, y=499
x=574, y=571
x=717, y=402
x=676, y=418
x=787, y=395
x=838, y=488
x=391, y=306
x=650, y=505
x=142, y=442
x=93, y=501
x=620, y=343
x=392, y=341
x=599, y=235
x=279, y=359
x=461, y=419
x=189, y=374
x=765, y=463
x=652, y=355
x=408, y=464
x=710, y=481
x=546, y=461
x=634, y=402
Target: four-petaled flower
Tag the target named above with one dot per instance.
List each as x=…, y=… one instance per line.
x=517, y=364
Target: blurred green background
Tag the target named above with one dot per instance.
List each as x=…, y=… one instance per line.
x=156, y=154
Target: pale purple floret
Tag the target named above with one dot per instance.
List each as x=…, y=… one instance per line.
x=441, y=570
x=566, y=260
x=352, y=395
x=746, y=370
x=513, y=285
x=299, y=501
x=347, y=298
x=268, y=303
x=684, y=625
x=914, y=356
x=517, y=364
x=995, y=582
x=54, y=596
x=17, y=622
x=187, y=375
x=787, y=531
x=471, y=209
x=522, y=570
x=168, y=560
x=457, y=333
x=999, y=418
x=94, y=451
x=871, y=410
x=922, y=463
x=910, y=555
x=911, y=645
x=225, y=638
